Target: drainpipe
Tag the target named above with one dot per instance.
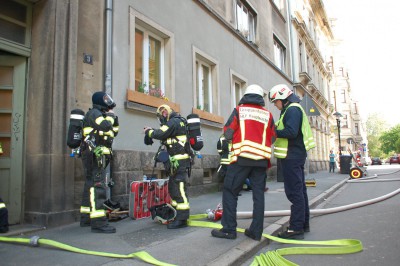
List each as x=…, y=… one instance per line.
x=108, y=78
x=291, y=41
x=108, y=48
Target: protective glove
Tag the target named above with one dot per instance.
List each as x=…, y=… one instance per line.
x=222, y=170
x=98, y=151
x=148, y=140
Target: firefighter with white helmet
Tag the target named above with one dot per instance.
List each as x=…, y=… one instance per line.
x=251, y=131
x=295, y=138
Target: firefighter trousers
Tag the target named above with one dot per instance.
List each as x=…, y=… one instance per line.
x=177, y=187
x=94, y=192
x=235, y=176
x=296, y=192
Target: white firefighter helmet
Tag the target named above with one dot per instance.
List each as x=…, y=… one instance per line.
x=279, y=92
x=254, y=89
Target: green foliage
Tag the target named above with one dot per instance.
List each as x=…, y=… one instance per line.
x=141, y=87
x=390, y=140
x=375, y=126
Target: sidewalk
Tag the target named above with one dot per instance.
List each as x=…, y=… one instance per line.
x=187, y=246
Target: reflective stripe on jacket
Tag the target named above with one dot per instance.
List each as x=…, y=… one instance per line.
x=281, y=144
x=253, y=139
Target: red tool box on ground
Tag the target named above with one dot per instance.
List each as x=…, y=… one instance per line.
x=146, y=194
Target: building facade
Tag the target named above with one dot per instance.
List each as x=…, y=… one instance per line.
x=197, y=56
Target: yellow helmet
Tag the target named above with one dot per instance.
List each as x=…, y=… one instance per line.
x=163, y=113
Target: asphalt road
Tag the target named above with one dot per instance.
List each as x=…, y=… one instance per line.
x=376, y=225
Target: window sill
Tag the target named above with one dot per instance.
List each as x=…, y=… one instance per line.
x=208, y=116
x=144, y=99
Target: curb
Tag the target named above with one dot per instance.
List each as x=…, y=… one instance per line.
x=248, y=248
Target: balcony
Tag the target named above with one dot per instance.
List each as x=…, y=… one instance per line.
x=304, y=78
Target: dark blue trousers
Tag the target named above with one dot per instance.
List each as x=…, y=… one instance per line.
x=233, y=183
x=296, y=192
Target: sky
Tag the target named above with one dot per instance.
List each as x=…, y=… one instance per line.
x=370, y=38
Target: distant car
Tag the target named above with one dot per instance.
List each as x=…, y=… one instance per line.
x=366, y=161
x=394, y=159
x=376, y=160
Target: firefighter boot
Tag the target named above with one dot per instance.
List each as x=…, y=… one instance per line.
x=105, y=229
x=177, y=224
x=85, y=220
x=3, y=229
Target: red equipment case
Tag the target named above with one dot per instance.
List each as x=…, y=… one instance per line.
x=146, y=194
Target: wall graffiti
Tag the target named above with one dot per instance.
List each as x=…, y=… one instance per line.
x=16, y=126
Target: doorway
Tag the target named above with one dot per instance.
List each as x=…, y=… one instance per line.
x=12, y=134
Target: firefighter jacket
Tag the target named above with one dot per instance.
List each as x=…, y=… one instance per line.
x=253, y=132
x=102, y=128
x=290, y=137
x=173, y=135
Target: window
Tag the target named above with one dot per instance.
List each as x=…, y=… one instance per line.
x=245, y=20
x=238, y=84
x=149, y=54
x=357, y=130
x=343, y=96
x=203, y=86
x=150, y=64
x=279, y=54
x=301, y=67
x=344, y=123
x=206, y=82
x=15, y=19
x=355, y=108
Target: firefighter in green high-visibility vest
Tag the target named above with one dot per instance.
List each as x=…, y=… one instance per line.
x=294, y=139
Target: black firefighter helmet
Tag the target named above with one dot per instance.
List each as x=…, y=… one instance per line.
x=102, y=101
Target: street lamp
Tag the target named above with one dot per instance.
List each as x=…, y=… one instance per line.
x=338, y=116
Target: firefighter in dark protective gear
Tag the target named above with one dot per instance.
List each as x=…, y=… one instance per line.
x=251, y=130
x=100, y=127
x=173, y=135
x=3, y=217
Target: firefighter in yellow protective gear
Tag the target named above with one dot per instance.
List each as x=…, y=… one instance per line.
x=173, y=135
x=3, y=217
x=100, y=127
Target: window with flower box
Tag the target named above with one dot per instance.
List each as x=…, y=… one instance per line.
x=151, y=49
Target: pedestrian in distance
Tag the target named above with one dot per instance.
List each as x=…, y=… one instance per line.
x=100, y=127
x=332, y=160
x=251, y=130
x=173, y=135
x=294, y=139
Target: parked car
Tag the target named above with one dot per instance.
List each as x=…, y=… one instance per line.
x=394, y=159
x=376, y=160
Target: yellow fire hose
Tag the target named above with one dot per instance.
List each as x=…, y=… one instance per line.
x=35, y=241
x=270, y=258
x=274, y=258
x=340, y=246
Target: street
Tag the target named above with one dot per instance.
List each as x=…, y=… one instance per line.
x=376, y=225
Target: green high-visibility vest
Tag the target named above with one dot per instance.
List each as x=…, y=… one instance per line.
x=281, y=144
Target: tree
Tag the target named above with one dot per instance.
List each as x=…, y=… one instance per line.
x=390, y=140
x=375, y=126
